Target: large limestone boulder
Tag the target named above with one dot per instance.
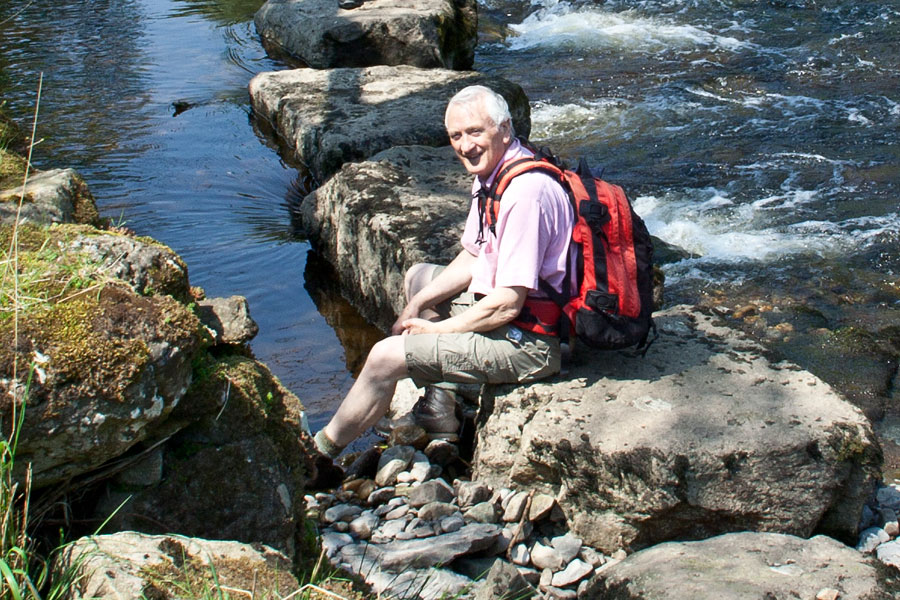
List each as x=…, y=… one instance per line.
x=244, y=440
x=56, y=196
x=330, y=117
x=135, y=565
x=375, y=219
x=743, y=566
x=426, y=34
x=109, y=363
x=703, y=436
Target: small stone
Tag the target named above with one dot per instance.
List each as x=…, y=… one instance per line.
x=390, y=529
x=393, y=461
x=452, y=523
x=546, y=578
x=504, y=581
x=408, y=435
x=828, y=594
x=363, y=525
x=545, y=557
x=436, y=510
x=889, y=553
x=574, y=572
x=420, y=468
x=342, y=526
x=888, y=497
x=591, y=556
x=332, y=542
x=620, y=555
x=520, y=555
x=342, y=512
x=889, y=521
x=380, y=496
x=397, y=513
x=515, y=507
x=868, y=518
x=483, y=512
x=871, y=538
x=436, y=490
x=405, y=477
x=365, y=465
x=532, y=576
x=555, y=593
x=541, y=505
x=365, y=489
x=441, y=452
x=567, y=545
x=471, y=493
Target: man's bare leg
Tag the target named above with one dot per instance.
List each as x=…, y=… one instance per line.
x=371, y=394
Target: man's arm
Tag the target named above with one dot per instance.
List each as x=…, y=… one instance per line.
x=452, y=280
x=497, y=308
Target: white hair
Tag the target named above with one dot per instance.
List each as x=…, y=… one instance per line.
x=494, y=104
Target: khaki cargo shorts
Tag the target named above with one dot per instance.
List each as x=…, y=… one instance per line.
x=507, y=354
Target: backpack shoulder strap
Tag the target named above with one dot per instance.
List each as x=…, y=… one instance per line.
x=489, y=200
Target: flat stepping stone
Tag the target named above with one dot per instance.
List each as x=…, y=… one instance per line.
x=325, y=118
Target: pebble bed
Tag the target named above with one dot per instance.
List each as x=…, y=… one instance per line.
x=398, y=524
x=406, y=519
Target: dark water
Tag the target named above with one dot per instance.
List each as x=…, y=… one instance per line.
x=147, y=99
x=762, y=137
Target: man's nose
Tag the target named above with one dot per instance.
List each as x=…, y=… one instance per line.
x=467, y=143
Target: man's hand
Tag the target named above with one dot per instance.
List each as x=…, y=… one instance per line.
x=410, y=312
x=416, y=325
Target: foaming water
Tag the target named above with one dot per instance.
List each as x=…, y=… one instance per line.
x=561, y=24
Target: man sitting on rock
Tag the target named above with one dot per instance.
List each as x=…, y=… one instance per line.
x=462, y=323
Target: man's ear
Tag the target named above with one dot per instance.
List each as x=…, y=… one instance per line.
x=506, y=129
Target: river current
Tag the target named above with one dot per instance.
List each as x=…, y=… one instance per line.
x=760, y=137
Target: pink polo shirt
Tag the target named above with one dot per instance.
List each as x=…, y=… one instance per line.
x=534, y=229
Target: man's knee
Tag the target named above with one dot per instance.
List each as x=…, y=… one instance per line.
x=387, y=359
x=418, y=276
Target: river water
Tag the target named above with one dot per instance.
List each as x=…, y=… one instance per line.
x=760, y=137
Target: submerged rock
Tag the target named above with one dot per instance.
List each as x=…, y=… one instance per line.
x=427, y=34
x=702, y=436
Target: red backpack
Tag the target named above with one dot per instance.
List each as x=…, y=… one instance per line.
x=613, y=303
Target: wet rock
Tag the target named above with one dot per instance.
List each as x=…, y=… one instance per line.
x=436, y=34
x=690, y=473
x=759, y=564
x=228, y=318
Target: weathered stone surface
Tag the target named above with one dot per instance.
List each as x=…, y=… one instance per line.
x=503, y=581
x=243, y=434
x=134, y=565
x=56, y=196
x=328, y=118
x=702, y=436
x=149, y=267
x=228, y=318
x=740, y=565
x=376, y=219
x=110, y=368
x=427, y=34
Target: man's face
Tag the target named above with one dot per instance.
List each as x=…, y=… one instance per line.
x=478, y=143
